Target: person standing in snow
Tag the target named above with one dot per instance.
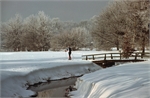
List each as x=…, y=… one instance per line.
x=69, y=52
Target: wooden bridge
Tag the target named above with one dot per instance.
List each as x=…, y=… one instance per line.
x=109, y=59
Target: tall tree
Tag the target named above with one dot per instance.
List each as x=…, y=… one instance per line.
x=130, y=20
x=37, y=32
x=136, y=27
x=107, y=28
x=12, y=33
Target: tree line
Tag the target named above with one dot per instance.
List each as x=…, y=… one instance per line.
x=122, y=24
x=41, y=33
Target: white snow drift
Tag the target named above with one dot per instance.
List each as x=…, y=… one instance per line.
x=125, y=81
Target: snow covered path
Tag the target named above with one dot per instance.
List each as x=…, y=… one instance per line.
x=124, y=81
x=21, y=69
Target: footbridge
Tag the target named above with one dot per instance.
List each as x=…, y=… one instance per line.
x=109, y=59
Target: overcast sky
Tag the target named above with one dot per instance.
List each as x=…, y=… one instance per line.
x=66, y=10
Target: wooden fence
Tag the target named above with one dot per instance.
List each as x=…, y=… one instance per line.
x=118, y=56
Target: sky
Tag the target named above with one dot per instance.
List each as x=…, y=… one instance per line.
x=65, y=10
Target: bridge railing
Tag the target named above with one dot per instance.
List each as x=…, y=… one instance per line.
x=118, y=56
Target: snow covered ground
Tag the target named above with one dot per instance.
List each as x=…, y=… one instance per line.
x=19, y=70
x=130, y=80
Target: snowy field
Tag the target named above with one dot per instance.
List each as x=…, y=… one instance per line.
x=19, y=70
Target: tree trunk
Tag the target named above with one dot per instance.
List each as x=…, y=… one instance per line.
x=126, y=46
x=117, y=45
x=143, y=45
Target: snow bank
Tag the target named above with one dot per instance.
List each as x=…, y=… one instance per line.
x=21, y=69
x=125, y=81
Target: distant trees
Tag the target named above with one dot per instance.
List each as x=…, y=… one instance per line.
x=76, y=38
x=37, y=32
x=33, y=33
x=124, y=21
x=41, y=33
x=123, y=24
x=11, y=34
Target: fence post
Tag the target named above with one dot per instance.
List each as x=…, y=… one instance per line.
x=111, y=56
x=105, y=57
x=136, y=56
x=120, y=56
x=141, y=55
x=93, y=57
x=86, y=57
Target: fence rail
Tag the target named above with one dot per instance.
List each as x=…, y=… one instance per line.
x=118, y=56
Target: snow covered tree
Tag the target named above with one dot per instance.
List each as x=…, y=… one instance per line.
x=82, y=37
x=107, y=31
x=56, y=25
x=76, y=38
x=37, y=32
x=139, y=15
x=130, y=19
x=30, y=39
x=135, y=24
x=12, y=33
x=44, y=31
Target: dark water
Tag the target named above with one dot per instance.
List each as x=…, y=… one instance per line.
x=53, y=88
x=53, y=84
